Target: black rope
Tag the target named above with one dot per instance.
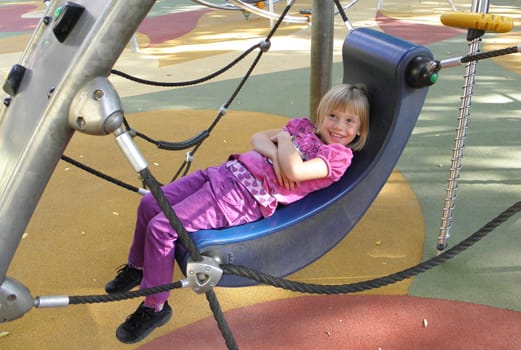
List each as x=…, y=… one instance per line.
x=105, y=298
x=185, y=83
x=378, y=282
x=176, y=146
x=99, y=174
x=261, y=277
x=302, y=287
x=490, y=54
x=197, y=141
x=279, y=21
x=341, y=11
x=221, y=321
x=264, y=46
x=190, y=247
x=177, y=225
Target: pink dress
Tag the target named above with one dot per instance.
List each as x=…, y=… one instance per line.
x=337, y=158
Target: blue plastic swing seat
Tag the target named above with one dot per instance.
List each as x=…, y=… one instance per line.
x=300, y=233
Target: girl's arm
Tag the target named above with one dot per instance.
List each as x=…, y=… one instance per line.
x=263, y=143
x=292, y=165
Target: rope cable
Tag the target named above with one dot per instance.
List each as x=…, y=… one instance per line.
x=264, y=46
x=106, y=298
x=99, y=174
x=192, y=249
x=221, y=321
x=261, y=277
x=378, y=282
x=490, y=54
x=341, y=11
x=185, y=83
x=170, y=214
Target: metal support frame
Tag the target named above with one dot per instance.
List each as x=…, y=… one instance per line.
x=73, y=44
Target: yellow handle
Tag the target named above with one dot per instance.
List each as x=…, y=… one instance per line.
x=480, y=21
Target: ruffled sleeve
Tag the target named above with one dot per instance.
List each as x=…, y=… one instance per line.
x=338, y=159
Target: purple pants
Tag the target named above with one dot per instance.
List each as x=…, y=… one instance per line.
x=205, y=199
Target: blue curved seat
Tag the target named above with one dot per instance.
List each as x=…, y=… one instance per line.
x=300, y=233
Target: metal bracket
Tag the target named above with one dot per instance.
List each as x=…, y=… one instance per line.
x=96, y=108
x=203, y=275
x=15, y=300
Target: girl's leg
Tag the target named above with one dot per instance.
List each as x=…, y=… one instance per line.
x=218, y=203
x=148, y=208
x=196, y=212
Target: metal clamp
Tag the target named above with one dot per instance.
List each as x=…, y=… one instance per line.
x=96, y=108
x=203, y=275
x=15, y=300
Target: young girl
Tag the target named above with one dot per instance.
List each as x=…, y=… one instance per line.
x=284, y=166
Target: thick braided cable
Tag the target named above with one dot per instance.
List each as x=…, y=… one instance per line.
x=177, y=225
x=378, y=282
x=106, y=298
x=490, y=54
x=314, y=288
x=192, y=249
x=221, y=321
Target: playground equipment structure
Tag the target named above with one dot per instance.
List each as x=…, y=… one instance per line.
x=60, y=86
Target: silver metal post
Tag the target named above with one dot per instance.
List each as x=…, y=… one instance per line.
x=321, y=52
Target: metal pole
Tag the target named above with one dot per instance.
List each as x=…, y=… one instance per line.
x=321, y=52
x=74, y=43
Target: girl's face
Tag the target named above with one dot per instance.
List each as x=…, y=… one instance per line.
x=339, y=127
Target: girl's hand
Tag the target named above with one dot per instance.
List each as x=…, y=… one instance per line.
x=282, y=179
x=276, y=138
x=282, y=139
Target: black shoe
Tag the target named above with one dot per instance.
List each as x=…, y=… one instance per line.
x=126, y=279
x=142, y=322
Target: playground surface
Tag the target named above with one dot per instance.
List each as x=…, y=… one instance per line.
x=82, y=227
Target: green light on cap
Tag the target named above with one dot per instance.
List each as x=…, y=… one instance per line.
x=434, y=77
x=58, y=12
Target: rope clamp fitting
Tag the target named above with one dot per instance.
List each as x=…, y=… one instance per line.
x=203, y=275
x=223, y=110
x=189, y=157
x=264, y=45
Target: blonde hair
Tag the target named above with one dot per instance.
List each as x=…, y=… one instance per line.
x=348, y=98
